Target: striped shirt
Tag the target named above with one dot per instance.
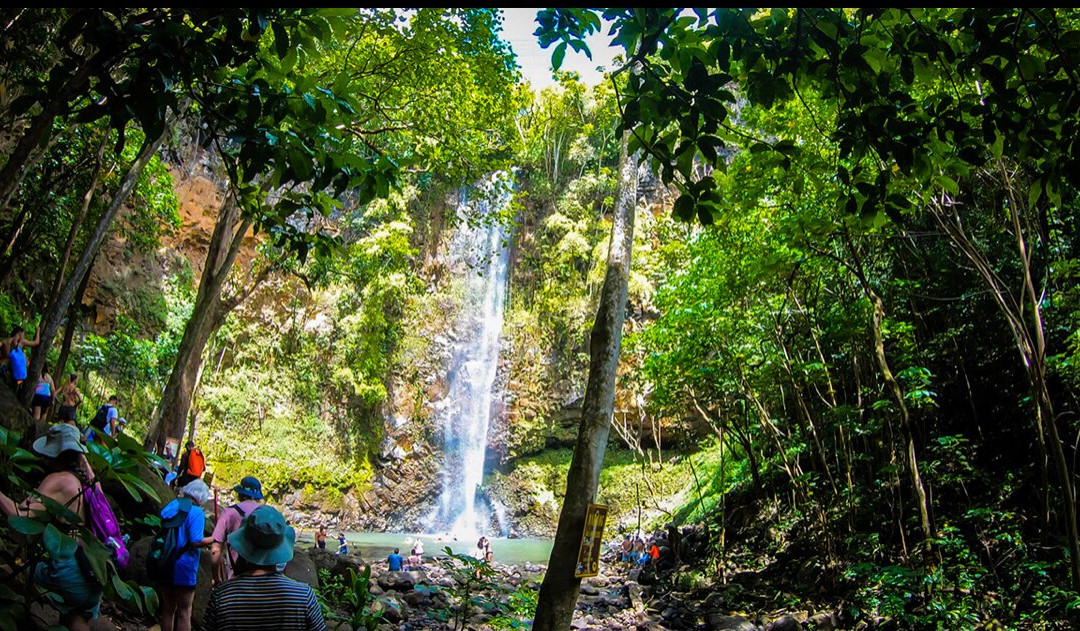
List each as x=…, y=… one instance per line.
x=263, y=602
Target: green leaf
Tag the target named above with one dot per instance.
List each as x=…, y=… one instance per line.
x=59, y=545
x=281, y=40
x=25, y=525
x=557, y=56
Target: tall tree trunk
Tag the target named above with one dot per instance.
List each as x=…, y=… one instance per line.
x=72, y=321
x=559, y=591
x=50, y=322
x=206, y=317
x=76, y=224
x=878, y=321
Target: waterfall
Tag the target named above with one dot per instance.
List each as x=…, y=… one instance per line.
x=479, y=260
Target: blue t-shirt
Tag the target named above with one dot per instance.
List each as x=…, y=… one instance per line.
x=396, y=562
x=17, y=361
x=187, y=566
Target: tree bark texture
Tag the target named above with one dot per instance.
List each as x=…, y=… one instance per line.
x=206, y=317
x=559, y=591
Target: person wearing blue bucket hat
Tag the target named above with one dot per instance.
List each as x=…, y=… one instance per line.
x=249, y=494
x=259, y=596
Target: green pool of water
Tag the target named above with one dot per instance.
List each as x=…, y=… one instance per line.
x=377, y=545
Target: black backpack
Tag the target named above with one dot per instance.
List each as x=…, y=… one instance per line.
x=101, y=419
x=164, y=549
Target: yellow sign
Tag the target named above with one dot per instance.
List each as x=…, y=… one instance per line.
x=592, y=538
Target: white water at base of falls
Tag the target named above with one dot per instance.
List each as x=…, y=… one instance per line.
x=480, y=254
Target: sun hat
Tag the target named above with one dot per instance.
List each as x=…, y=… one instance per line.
x=60, y=438
x=250, y=487
x=264, y=538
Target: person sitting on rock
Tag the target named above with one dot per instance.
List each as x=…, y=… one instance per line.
x=178, y=590
x=395, y=561
x=416, y=556
x=248, y=492
x=79, y=594
x=260, y=597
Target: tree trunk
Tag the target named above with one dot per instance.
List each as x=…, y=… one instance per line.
x=559, y=591
x=72, y=320
x=206, y=316
x=50, y=322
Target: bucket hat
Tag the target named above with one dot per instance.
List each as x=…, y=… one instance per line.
x=60, y=438
x=264, y=538
x=250, y=487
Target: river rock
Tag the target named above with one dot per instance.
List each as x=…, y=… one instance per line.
x=589, y=590
x=827, y=621
x=400, y=581
x=717, y=622
x=302, y=569
x=633, y=592
x=390, y=607
x=787, y=622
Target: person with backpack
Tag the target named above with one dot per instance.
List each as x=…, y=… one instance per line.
x=261, y=597
x=68, y=483
x=249, y=493
x=105, y=419
x=173, y=562
x=192, y=464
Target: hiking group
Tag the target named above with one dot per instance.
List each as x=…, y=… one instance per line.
x=250, y=545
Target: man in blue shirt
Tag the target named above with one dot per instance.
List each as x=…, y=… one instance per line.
x=396, y=561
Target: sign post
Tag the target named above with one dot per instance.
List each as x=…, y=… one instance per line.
x=592, y=539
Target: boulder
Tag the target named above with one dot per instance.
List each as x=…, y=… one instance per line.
x=633, y=592
x=302, y=569
x=787, y=622
x=390, y=607
x=825, y=621
x=400, y=581
x=717, y=622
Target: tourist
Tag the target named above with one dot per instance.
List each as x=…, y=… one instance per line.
x=104, y=420
x=626, y=546
x=320, y=538
x=343, y=546
x=416, y=556
x=260, y=597
x=248, y=493
x=70, y=398
x=43, y=395
x=17, y=363
x=78, y=595
x=654, y=553
x=178, y=590
x=480, y=553
x=192, y=464
x=395, y=561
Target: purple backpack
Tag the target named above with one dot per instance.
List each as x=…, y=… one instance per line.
x=104, y=525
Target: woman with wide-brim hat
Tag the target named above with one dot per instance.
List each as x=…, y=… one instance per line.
x=79, y=594
x=259, y=595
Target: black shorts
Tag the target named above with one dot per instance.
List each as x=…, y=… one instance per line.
x=41, y=401
x=67, y=413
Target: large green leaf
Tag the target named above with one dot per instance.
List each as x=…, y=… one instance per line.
x=59, y=545
x=25, y=525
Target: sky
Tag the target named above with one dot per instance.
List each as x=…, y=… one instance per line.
x=535, y=62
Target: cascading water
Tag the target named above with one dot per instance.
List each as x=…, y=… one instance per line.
x=480, y=256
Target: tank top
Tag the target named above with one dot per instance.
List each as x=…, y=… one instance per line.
x=44, y=388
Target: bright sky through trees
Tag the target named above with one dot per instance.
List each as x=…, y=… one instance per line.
x=535, y=62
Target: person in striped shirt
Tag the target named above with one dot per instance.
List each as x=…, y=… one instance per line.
x=259, y=597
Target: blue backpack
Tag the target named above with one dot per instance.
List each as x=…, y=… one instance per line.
x=165, y=549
